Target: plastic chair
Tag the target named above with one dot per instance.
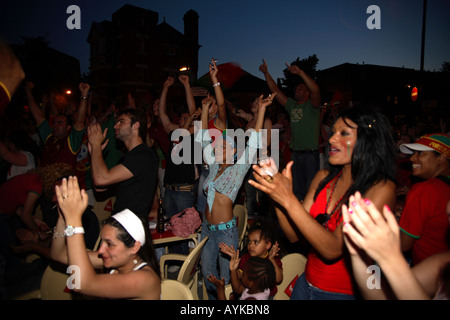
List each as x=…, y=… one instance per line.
x=103, y=206
x=188, y=273
x=293, y=267
x=175, y=290
x=53, y=285
x=228, y=291
x=240, y=212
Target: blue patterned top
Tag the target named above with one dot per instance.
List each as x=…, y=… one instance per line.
x=230, y=181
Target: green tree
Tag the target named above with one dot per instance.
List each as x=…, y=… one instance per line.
x=445, y=67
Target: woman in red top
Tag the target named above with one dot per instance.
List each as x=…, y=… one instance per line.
x=361, y=157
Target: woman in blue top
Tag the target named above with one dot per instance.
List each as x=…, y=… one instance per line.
x=221, y=187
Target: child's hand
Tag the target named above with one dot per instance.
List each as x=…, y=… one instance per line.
x=234, y=261
x=218, y=283
x=227, y=250
x=274, y=251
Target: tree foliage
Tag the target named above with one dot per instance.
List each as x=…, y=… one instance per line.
x=291, y=81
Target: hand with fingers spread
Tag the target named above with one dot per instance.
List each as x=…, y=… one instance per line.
x=234, y=261
x=227, y=249
x=365, y=227
x=273, y=253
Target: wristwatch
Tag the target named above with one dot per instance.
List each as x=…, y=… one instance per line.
x=71, y=230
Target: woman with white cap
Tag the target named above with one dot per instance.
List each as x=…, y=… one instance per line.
x=126, y=249
x=424, y=223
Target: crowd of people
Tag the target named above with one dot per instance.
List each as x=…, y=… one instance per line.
x=351, y=190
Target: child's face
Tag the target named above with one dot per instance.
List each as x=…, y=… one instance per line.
x=257, y=247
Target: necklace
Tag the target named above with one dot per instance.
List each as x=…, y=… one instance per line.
x=331, y=195
x=323, y=218
x=219, y=172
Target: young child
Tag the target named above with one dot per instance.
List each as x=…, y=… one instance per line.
x=260, y=240
x=257, y=279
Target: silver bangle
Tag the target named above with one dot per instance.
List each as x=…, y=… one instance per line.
x=216, y=84
x=57, y=234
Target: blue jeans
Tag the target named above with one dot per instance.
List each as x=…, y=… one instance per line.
x=305, y=167
x=213, y=261
x=174, y=202
x=303, y=290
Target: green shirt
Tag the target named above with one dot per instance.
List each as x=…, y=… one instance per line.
x=305, y=125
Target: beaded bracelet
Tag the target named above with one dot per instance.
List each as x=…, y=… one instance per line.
x=57, y=234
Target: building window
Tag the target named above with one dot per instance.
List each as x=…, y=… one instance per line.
x=142, y=46
x=170, y=51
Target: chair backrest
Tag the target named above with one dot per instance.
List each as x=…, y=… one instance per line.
x=293, y=267
x=189, y=268
x=240, y=212
x=175, y=290
x=103, y=207
x=54, y=283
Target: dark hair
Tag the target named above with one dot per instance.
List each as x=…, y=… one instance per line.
x=69, y=121
x=373, y=158
x=146, y=252
x=266, y=230
x=137, y=115
x=261, y=271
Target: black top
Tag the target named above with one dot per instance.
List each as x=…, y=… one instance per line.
x=136, y=193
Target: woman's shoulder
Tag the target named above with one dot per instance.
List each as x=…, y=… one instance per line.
x=382, y=192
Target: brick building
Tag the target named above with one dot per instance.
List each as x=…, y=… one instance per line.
x=133, y=53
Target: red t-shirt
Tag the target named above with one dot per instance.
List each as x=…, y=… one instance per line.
x=425, y=219
x=331, y=277
x=14, y=191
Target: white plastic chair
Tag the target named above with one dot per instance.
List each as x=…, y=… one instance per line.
x=188, y=273
x=293, y=266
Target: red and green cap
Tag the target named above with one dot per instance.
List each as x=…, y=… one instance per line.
x=431, y=142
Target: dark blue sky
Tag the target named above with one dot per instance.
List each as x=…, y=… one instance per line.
x=246, y=31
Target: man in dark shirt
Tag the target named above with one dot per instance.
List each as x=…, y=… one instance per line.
x=137, y=170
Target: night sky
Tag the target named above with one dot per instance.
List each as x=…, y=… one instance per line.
x=246, y=31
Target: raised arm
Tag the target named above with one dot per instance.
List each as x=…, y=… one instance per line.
x=281, y=97
x=221, y=120
x=17, y=158
x=377, y=235
x=297, y=218
x=262, y=105
x=184, y=79
x=309, y=82
x=36, y=112
x=81, y=115
x=165, y=120
x=206, y=103
x=11, y=73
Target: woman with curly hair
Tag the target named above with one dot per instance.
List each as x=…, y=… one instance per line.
x=361, y=158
